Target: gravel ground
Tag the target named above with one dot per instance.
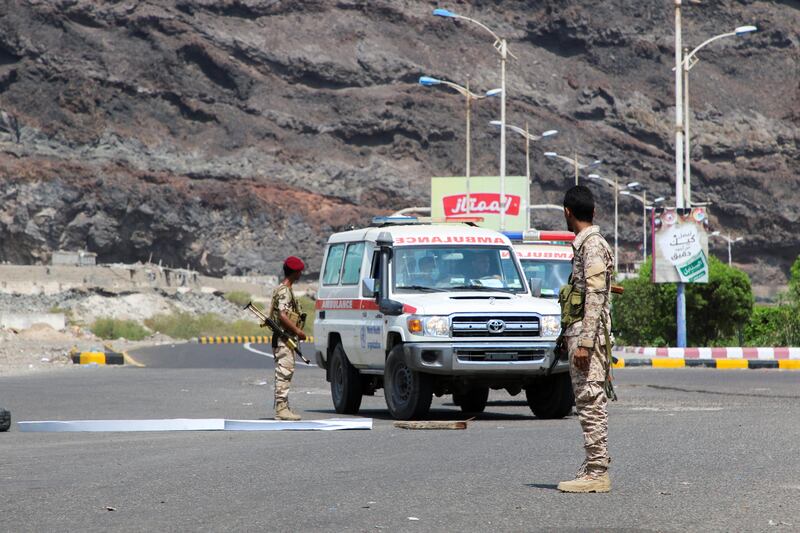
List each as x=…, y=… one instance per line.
x=86, y=306
x=41, y=348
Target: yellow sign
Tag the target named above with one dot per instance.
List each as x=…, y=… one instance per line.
x=449, y=198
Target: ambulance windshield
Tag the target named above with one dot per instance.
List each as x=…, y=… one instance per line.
x=454, y=268
x=551, y=274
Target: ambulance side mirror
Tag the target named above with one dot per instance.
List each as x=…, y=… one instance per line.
x=536, y=287
x=368, y=288
x=390, y=307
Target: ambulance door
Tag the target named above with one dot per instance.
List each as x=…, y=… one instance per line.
x=373, y=330
x=353, y=318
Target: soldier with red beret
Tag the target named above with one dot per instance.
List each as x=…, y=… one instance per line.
x=286, y=311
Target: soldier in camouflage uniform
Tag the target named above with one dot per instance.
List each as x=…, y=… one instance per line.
x=286, y=312
x=588, y=338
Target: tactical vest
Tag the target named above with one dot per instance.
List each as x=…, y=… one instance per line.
x=293, y=315
x=570, y=298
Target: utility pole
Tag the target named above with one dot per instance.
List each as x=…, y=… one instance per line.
x=679, y=165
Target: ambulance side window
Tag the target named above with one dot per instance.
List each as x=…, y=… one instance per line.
x=333, y=265
x=352, y=263
x=375, y=271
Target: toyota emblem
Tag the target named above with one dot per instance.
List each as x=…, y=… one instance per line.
x=496, y=326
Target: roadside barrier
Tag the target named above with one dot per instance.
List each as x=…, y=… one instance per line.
x=719, y=364
x=239, y=339
x=108, y=357
x=768, y=353
x=98, y=358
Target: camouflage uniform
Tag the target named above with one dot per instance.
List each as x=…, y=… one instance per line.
x=283, y=300
x=592, y=271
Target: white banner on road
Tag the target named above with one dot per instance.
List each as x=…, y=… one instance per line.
x=192, y=424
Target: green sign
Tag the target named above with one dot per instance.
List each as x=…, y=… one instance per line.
x=455, y=197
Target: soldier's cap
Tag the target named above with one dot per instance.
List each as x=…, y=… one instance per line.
x=295, y=263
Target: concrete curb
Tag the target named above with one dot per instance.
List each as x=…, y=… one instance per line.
x=238, y=339
x=719, y=364
x=749, y=353
x=99, y=358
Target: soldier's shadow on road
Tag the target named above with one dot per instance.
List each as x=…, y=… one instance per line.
x=549, y=486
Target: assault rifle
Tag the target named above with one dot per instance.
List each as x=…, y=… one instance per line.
x=266, y=322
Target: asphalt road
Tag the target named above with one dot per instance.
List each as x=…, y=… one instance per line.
x=693, y=449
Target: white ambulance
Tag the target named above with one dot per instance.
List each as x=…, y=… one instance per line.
x=420, y=309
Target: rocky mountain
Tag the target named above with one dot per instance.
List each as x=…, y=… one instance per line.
x=226, y=134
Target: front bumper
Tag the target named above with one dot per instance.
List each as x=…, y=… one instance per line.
x=483, y=358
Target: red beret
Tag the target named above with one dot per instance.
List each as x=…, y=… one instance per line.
x=295, y=263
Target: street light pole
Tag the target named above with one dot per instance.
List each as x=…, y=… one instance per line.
x=645, y=207
x=615, y=185
x=573, y=161
x=690, y=59
x=679, y=145
x=528, y=155
x=469, y=96
x=503, y=55
x=501, y=45
x=616, y=224
x=730, y=240
x=468, y=101
x=528, y=138
x=644, y=223
x=687, y=171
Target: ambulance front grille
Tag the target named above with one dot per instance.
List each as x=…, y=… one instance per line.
x=495, y=326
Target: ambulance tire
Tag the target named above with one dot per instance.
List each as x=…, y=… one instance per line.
x=551, y=396
x=5, y=420
x=473, y=401
x=346, y=389
x=408, y=393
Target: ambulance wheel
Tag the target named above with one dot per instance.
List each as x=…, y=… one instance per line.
x=473, y=401
x=345, y=383
x=408, y=393
x=551, y=396
x=5, y=420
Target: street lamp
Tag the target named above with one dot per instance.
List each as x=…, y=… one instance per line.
x=689, y=61
x=469, y=96
x=574, y=162
x=643, y=198
x=617, y=188
x=680, y=162
x=542, y=207
x=730, y=240
x=501, y=46
x=528, y=138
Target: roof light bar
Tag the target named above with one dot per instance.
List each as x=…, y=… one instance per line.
x=426, y=220
x=533, y=235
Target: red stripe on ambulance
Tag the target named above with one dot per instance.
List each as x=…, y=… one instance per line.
x=348, y=304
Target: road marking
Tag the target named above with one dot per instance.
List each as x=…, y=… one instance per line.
x=249, y=348
x=131, y=361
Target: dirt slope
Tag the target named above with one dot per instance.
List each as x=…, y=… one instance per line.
x=226, y=134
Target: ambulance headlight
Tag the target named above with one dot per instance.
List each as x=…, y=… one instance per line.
x=431, y=326
x=436, y=326
x=551, y=325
